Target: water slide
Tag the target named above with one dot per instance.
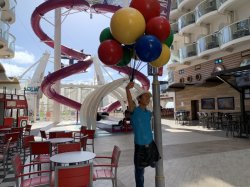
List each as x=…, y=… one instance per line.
x=84, y=60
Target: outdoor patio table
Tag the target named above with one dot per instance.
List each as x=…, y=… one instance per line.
x=57, y=130
x=60, y=140
x=72, y=157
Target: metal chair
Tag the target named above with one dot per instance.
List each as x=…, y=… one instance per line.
x=43, y=135
x=19, y=169
x=41, y=151
x=83, y=142
x=26, y=145
x=79, y=134
x=27, y=130
x=4, y=155
x=107, y=171
x=62, y=148
x=74, y=176
x=91, y=138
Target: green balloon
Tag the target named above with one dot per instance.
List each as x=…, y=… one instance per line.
x=170, y=39
x=127, y=56
x=105, y=35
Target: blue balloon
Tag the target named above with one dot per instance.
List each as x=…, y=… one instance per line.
x=148, y=48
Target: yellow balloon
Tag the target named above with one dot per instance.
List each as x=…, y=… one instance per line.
x=163, y=58
x=127, y=25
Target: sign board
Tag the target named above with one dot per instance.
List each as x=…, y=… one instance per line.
x=16, y=104
x=159, y=71
x=32, y=89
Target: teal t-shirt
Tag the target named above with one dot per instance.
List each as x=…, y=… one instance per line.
x=141, y=122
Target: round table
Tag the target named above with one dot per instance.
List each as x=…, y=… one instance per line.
x=73, y=157
x=57, y=130
x=60, y=140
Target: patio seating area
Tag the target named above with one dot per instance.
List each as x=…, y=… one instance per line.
x=186, y=150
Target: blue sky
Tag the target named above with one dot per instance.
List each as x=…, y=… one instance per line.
x=78, y=32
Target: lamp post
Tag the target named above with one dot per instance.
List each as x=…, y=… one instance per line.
x=159, y=170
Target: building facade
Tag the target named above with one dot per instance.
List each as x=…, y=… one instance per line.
x=210, y=55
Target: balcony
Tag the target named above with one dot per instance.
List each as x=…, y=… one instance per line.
x=4, y=34
x=8, y=11
x=230, y=5
x=9, y=50
x=188, y=53
x=186, y=22
x=175, y=60
x=174, y=27
x=187, y=4
x=174, y=6
x=208, y=44
x=179, y=2
x=235, y=34
x=175, y=13
x=206, y=11
x=220, y=3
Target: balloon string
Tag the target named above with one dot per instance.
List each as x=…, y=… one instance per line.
x=138, y=65
x=142, y=67
x=133, y=72
x=133, y=68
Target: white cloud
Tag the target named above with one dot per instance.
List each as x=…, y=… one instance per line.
x=13, y=70
x=23, y=57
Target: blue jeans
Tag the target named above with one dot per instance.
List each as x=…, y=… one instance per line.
x=139, y=176
x=139, y=170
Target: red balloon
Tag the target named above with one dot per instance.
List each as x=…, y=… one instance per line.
x=148, y=8
x=159, y=27
x=110, y=52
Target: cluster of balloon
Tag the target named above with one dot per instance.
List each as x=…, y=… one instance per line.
x=136, y=30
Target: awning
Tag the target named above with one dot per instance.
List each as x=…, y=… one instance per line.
x=210, y=82
x=239, y=79
x=236, y=77
x=175, y=87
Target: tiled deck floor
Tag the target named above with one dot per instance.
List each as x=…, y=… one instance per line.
x=192, y=157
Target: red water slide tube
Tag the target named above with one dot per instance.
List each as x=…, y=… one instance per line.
x=83, y=63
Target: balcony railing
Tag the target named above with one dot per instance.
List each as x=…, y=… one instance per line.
x=188, y=51
x=170, y=76
x=174, y=27
x=175, y=56
x=205, y=7
x=173, y=5
x=179, y=2
x=208, y=42
x=11, y=42
x=12, y=6
x=234, y=31
x=4, y=30
x=220, y=2
x=186, y=20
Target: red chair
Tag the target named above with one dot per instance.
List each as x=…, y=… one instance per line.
x=4, y=155
x=69, y=147
x=54, y=134
x=74, y=176
x=79, y=134
x=40, y=152
x=83, y=142
x=40, y=180
x=64, y=135
x=14, y=140
x=91, y=137
x=27, y=130
x=26, y=145
x=20, y=130
x=107, y=171
x=43, y=135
